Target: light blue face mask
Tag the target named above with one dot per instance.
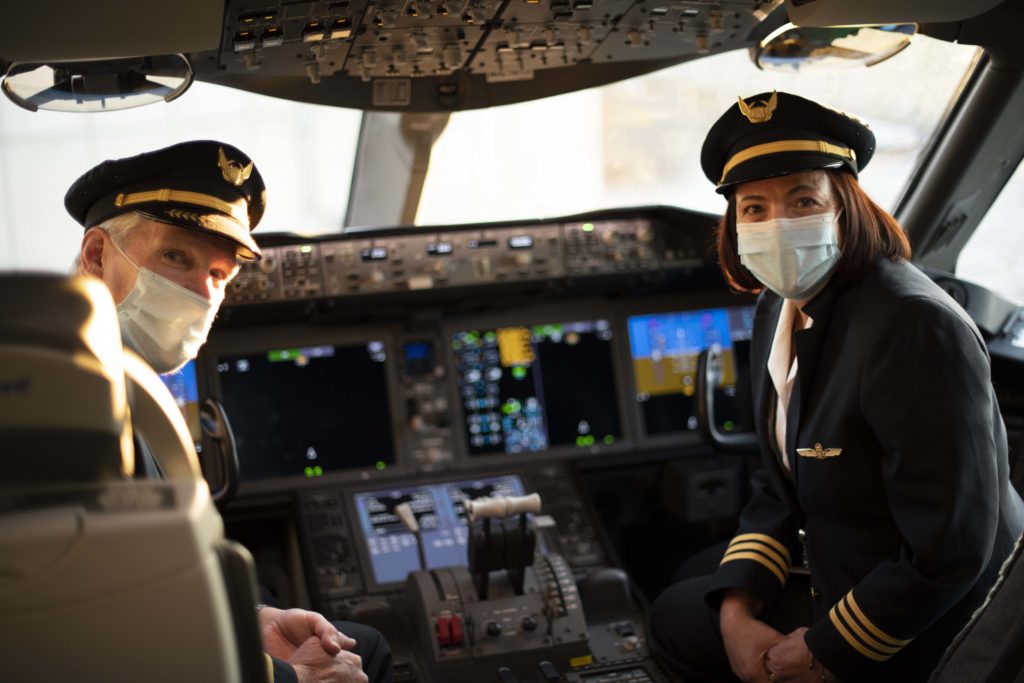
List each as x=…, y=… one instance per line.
x=162, y=321
x=793, y=257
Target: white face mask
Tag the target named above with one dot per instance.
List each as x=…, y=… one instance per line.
x=793, y=257
x=163, y=322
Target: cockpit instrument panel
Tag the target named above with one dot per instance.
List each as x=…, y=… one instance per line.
x=440, y=511
x=664, y=348
x=308, y=410
x=184, y=388
x=528, y=388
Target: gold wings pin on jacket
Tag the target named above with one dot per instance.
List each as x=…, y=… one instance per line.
x=818, y=452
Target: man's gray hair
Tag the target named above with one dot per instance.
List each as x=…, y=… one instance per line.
x=117, y=228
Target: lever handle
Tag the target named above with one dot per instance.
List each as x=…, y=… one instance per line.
x=505, y=506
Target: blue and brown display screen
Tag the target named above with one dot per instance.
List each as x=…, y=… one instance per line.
x=664, y=348
x=530, y=388
x=441, y=514
x=308, y=411
x=183, y=387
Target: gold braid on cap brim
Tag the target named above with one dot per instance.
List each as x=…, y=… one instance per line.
x=184, y=197
x=786, y=146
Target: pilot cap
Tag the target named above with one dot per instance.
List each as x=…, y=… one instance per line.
x=205, y=185
x=777, y=133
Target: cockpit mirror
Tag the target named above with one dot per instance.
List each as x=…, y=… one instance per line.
x=797, y=48
x=95, y=86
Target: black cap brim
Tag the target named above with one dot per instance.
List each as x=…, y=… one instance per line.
x=213, y=224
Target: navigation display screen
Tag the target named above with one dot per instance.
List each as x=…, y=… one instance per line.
x=308, y=411
x=183, y=387
x=441, y=515
x=527, y=389
x=664, y=348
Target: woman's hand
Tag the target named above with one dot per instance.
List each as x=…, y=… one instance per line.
x=746, y=638
x=791, y=660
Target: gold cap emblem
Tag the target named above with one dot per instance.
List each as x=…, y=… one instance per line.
x=759, y=111
x=818, y=452
x=233, y=171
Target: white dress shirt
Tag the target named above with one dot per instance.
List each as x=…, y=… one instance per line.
x=782, y=367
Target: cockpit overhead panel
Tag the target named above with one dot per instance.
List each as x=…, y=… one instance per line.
x=438, y=55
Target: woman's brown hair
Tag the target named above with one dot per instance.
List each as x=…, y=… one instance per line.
x=866, y=233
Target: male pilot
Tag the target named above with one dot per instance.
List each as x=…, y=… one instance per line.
x=165, y=231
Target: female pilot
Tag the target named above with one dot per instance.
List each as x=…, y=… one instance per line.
x=885, y=474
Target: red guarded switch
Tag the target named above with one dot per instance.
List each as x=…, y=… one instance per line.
x=456, y=624
x=444, y=631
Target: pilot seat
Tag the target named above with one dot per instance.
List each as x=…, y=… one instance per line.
x=105, y=577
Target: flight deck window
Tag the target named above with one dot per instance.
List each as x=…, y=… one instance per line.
x=531, y=388
x=308, y=411
x=304, y=152
x=995, y=252
x=638, y=142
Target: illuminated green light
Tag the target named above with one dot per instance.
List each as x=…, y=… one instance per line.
x=585, y=440
x=490, y=336
x=609, y=439
x=581, y=441
x=588, y=227
x=306, y=248
x=283, y=355
x=308, y=471
x=519, y=372
x=729, y=425
x=381, y=465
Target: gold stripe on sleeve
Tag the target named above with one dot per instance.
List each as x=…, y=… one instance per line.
x=877, y=632
x=866, y=638
x=761, y=548
x=761, y=559
x=849, y=638
x=764, y=538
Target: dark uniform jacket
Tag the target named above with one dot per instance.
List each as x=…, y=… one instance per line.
x=899, y=475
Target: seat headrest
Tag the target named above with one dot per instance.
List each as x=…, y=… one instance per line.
x=63, y=408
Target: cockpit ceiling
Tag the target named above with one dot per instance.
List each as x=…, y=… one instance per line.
x=427, y=55
x=409, y=55
x=461, y=54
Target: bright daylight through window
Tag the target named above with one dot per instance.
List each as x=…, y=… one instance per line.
x=638, y=142
x=304, y=152
x=995, y=252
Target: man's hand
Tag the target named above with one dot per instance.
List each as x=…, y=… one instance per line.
x=284, y=631
x=746, y=638
x=791, y=660
x=313, y=665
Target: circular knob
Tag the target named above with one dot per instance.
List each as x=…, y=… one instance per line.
x=268, y=264
x=377, y=277
x=529, y=624
x=492, y=629
x=523, y=259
